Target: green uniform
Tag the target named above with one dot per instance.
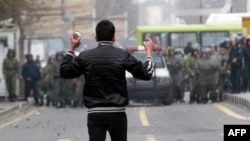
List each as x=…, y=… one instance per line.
x=46, y=83
x=175, y=66
x=58, y=83
x=192, y=67
x=10, y=70
x=206, y=79
x=79, y=88
x=63, y=88
x=223, y=75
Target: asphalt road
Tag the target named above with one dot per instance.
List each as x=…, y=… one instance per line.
x=177, y=122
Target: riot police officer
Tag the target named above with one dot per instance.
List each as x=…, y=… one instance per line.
x=10, y=72
x=175, y=63
x=205, y=82
x=235, y=62
x=31, y=75
x=246, y=69
x=223, y=73
x=192, y=68
x=63, y=88
x=47, y=82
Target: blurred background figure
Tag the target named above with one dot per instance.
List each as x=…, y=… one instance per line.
x=246, y=66
x=193, y=70
x=78, y=99
x=235, y=61
x=47, y=82
x=31, y=75
x=63, y=88
x=175, y=64
x=223, y=72
x=58, y=82
x=38, y=61
x=10, y=73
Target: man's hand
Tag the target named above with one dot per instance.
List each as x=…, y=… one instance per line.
x=148, y=45
x=74, y=42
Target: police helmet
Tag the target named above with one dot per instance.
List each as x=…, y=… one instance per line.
x=179, y=51
x=60, y=53
x=11, y=51
x=247, y=39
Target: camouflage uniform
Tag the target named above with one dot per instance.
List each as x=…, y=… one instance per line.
x=78, y=96
x=223, y=73
x=206, y=78
x=192, y=68
x=214, y=72
x=10, y=70
x=63, y=88
x=47, y=82
x=58, y=84
x=175, y=65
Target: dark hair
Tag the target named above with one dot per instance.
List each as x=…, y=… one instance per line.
x=105, y=30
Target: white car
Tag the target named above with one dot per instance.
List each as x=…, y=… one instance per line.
x=158, y=89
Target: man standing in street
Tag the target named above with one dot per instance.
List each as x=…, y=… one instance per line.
x=31, y=75
x=105, y=91
x=10, y=72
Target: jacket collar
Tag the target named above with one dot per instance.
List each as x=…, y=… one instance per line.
x=105, y=43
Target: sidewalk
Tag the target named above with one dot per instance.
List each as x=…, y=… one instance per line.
x=242, y=99
x=6, y=106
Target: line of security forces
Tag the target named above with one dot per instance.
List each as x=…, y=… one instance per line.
x=44, y=84
x=60, y=92
x=208, y=72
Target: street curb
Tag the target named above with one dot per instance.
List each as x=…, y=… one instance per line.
x=20, y=105
x=243, y=102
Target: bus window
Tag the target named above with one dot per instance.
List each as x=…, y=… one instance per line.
x=213, y=37
x=157, y=38
x=180, y=39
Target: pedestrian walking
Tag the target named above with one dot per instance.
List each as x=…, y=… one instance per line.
x=105, y=91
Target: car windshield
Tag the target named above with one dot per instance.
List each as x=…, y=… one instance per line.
x=157, y=59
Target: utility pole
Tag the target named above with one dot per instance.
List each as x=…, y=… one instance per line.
x=201, y=19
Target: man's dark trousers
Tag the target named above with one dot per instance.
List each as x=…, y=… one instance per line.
x=32, y=85
x=114, y=123
x=235, y=79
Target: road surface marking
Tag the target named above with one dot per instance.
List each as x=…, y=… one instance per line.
x=230, y=112
x=19, y=119
x=64, y=140
x=143, y=117
x=151, y=138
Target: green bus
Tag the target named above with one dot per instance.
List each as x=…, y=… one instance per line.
x=177, y=36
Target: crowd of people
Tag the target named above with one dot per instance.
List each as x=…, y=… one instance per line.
x=43, y=84
x=207, y=72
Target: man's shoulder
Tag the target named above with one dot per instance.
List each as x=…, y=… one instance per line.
x=96, y=50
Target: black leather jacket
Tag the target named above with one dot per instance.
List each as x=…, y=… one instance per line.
x=104, y=70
